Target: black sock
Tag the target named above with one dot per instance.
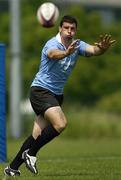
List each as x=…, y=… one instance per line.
x=17, y=161
x=47, y=135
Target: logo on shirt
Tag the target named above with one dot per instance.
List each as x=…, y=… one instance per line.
x=67, y=63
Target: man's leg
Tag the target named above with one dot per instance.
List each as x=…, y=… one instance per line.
x=57, y=120
x=39, y=125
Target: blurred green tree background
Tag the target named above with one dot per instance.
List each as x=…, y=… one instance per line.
x=96, y=81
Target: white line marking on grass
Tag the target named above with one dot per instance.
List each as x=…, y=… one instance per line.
x=84, y=158
x=7, y=177
x=4, y=178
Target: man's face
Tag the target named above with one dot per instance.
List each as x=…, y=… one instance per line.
x=68, y=30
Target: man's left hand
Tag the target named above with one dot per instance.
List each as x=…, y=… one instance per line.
x=105, y=42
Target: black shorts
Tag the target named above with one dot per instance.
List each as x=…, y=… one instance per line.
x=41, y=99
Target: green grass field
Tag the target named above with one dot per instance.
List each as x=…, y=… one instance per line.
x=63, y=159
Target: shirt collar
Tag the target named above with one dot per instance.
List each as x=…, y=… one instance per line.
x=58, y=37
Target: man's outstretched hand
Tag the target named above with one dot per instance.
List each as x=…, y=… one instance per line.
x=105, y=42
x=73, y=46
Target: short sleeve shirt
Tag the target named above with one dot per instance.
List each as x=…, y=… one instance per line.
x=53, y=73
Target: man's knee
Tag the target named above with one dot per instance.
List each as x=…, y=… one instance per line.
x=56, y=117
x=60, y=126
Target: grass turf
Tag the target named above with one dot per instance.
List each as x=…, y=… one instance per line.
x=84, y=159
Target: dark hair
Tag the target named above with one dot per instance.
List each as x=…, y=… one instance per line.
x=68, y=19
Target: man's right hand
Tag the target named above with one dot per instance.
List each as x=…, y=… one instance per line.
x=73, y=47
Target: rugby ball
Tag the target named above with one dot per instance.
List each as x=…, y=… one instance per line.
x=47, y=14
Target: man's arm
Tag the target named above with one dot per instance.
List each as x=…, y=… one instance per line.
x=100, y=47
x=57, y=54
x=60, y=54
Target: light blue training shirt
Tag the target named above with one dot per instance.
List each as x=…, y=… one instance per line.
x=53, y=73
